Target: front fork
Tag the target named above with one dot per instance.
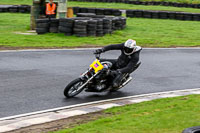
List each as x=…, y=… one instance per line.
x=87, y=77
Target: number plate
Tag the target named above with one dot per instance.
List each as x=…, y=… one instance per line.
x=97, y=66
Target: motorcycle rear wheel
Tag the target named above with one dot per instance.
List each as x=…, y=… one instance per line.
x=72, y=89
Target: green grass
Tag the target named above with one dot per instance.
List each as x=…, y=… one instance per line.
x=170, y=115
x=16, y=2
x=147, y=32
x=130, y=6
x=178, y=1
x=110, y=5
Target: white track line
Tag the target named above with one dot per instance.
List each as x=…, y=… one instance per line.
x=95, y=102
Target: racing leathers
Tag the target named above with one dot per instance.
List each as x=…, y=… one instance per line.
x=124, y=64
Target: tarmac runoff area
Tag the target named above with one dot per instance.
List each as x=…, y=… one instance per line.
x=25, y=120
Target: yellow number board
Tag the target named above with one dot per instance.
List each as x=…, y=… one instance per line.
x=97, y=66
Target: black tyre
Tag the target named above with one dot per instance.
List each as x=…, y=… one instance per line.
x=85, y=14
x=66, y=24
x=92, y=22
x=91, y=32
x=64, y=29
x=69, y=20
x=42, y=30
x=192, y=130
x=42, y=25
x=72, y=89
x=54, y=20
x=80, y=22
x=80, y=26
x=53, y=29
x=91, y=10
x=107, y=26
x=13, y=10
x=91, y=29
x=54, y=24
x=81, y=35
x=68, y=34
x=99, y=26
x=42, y=20
x=79, y=30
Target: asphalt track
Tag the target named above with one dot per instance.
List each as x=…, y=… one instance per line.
x=34, y=80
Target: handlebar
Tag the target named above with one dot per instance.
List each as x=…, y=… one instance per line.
x=97, y=56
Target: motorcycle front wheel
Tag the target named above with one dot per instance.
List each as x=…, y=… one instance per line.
x=73, y=88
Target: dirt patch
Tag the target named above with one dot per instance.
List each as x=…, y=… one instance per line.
x=62, y=124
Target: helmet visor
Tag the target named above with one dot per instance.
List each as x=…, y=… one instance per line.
x=128, y=50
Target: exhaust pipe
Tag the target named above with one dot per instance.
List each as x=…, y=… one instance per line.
x=127, y=81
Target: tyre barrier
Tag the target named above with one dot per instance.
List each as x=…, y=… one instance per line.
x=163, y=15
x=66, y=26
x=27, y=9
x=53, y=25
x=42, y=26
x=97, y=25
x=138, y=2
x=192, y=130
x=97, y=11
x=15, y=8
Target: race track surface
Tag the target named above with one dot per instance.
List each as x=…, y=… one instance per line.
x=34, y=81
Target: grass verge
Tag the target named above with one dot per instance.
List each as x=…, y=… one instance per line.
x=130, y=6
x=147, y=32
x=16, y=2
x=178, y=1
x=169, y=115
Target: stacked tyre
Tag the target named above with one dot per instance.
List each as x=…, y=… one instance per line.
x=42, y=26
x=91, y=27
x=76, y=10
x=129, y=13
x=120, y=23
x=113, y=20
x=24, y=9
x=4, y=8
x=86, y=14
x=172, y=15
x=99, y=31
x=123, y=19
x=108, y=11
x=196, y=17
x=107, y=26
x=13, y=9
x=83, y=10
x=92, y=10
x=163, y=14
x=100, y=11
x=155, y=14
x=66, y=26
x=116, y=12
x=80, y=28
x=54, y=25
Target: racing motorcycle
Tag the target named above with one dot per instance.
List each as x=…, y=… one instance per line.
x=96, y=79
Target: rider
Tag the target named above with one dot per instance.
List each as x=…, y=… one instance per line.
x=126, y=62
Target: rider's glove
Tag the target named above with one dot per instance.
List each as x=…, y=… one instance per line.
x=98, y=51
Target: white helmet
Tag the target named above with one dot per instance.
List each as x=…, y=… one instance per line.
x=129, y=46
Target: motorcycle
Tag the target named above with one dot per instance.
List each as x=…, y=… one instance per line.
x=96, y=79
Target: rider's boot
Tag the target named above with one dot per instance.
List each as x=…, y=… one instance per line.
x=117, y=80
